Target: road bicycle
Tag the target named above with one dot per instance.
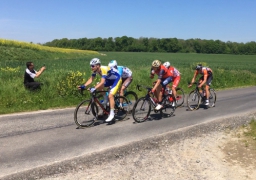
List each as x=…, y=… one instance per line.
x=91, y=110
x=142, y=108
x=195, y=98
x=180, y=95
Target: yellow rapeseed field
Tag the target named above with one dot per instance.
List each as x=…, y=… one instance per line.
x=19, y=44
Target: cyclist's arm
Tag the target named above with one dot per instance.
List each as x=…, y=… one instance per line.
x=205, y=79
x=89, y=81
x=102, y=81
x=193, y=79
x=152, y=73
x=156, y=85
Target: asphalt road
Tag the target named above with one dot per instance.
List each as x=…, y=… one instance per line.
x=39, y=138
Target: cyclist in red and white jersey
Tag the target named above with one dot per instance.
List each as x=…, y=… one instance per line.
x=164, y=78
x=206, y=79
x=176, y=77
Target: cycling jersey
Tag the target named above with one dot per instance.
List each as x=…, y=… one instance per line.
x=162, y=73
x=175, y=72
x=112, y=78
x=204, y=71
x=107, y=73
x=126, y=72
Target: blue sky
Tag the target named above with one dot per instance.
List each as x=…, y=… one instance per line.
x=40, y=21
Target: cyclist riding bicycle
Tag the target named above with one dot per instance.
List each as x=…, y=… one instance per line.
x=110, y=77
x=206, y=78
x=176, y=77
x=164, y=78
x=126, y=79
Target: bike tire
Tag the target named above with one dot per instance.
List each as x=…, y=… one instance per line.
x=132, y=97
x=180, y=97
x=168, y=108
x=84, y=115
x=193, y=100
x=212, y=98
x=141, y=110
x=121, y=111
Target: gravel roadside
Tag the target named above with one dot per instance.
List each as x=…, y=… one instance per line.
x=214, y=156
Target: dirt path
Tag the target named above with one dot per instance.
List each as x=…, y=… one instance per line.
x=215, y=156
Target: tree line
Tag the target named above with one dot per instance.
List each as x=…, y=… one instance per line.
x=142, y=44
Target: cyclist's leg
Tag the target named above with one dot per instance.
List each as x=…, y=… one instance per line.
x=175, y=84
x=199, y=82
x=125, y=83
x=114, y=89
x=162, y=88
x=207, y=87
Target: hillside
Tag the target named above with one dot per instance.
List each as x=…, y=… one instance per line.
x=16, y=50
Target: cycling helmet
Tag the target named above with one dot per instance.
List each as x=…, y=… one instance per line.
x=198, y=67
x=112, y=64
x=156, y=63
x=167, y=64
x=95, y=61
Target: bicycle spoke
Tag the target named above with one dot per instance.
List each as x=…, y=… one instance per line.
x=141, y=110
x=84, y=114
x=193, y=100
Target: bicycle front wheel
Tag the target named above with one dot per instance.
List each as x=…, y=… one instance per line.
x=141, y=110
x=122, y=108
x=212, y=98
x=84, y=114
x=131, y=97
x=193, y=100
x=180, y=96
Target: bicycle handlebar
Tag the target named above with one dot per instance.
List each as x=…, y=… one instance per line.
x=145, y=87
x=93, y=94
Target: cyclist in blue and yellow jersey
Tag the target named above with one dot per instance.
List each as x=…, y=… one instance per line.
x=205, y=78
x=110, y=77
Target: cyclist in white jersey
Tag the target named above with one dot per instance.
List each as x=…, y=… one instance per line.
x=126, y=79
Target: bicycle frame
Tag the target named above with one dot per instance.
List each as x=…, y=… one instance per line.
x=94, y=99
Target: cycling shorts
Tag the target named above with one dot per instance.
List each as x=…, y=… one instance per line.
x=209, y=79
x=166, y=81
x=176, y=81
x=126, y=81
x=114, y=85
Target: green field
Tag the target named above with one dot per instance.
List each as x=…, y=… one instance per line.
x=63, y=75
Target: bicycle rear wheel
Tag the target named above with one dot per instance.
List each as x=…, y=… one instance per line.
x=141, y=110
x=121, y=109
x=168, y=108
x=193, y=100
x=212, y=98
x=180, y=96
x=84, y=114
x=131, y=97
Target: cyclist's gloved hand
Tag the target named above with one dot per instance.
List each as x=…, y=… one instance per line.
x=92, y=90
x=82, y=87
x=152, y=90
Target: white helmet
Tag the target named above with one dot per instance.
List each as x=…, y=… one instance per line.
x=112, y=64
x=95, y=61
x=167, y=64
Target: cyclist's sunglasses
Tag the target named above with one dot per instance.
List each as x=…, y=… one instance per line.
x=92, y=66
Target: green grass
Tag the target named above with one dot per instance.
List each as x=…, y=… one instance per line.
x=64, y=74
